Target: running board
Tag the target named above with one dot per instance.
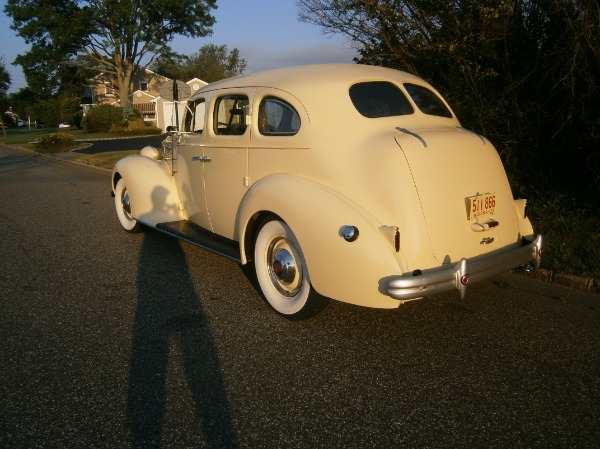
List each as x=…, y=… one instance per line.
x=195, y=235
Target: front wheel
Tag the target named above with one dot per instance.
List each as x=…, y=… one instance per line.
x=282, y=274
x=123, y=208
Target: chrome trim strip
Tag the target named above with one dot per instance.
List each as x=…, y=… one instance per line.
x=415, y=135
x=411, y=287
x=460, y=128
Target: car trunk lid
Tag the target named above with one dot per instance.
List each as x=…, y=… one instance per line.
x=463, y=190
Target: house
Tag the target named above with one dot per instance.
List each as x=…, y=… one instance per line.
x=156, y=110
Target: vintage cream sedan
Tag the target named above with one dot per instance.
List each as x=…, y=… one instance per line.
x=350, y=182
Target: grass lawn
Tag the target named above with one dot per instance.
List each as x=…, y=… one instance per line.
x=104, y=160
x=24, y=135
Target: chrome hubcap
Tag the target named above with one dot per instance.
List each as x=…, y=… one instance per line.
x=126, y=202
x=283, y=267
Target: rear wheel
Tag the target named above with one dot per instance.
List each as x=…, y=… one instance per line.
x=123, y=208
x=282, y=274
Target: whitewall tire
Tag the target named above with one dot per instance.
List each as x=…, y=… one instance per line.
x=282, y=273
x=123, y=208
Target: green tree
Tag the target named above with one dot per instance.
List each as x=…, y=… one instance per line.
x=22, y=101
x=70, y=110
x=46, y=111
x=4, y=79
x=52, y=110
x=113, y=37
x=211, y=63
x=4, y=85
x=525, y=73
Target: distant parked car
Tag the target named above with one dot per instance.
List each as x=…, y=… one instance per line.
x=64, y=125
x=336, y=181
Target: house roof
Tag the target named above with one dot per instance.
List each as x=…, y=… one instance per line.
x=140, y=93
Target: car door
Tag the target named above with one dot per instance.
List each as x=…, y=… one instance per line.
x=189, y=164
x=226, y=158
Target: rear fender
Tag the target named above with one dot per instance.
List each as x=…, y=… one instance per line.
x=525, y=226
x=346, y=271
x=150, y=185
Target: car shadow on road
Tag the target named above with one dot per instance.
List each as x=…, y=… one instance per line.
x=169, y=317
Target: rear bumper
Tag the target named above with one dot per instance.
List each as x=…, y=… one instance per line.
x=464, y=273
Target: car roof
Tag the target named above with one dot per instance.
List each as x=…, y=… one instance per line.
x=313, y=79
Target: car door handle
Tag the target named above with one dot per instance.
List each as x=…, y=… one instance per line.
x=201, y=158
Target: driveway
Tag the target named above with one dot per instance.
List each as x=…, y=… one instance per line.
x=122, y=144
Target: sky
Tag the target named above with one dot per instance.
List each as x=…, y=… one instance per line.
x=266, y=32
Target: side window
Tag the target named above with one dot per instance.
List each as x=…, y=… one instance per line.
x=277, y=118
x=230, y=115
x=379, y=99
x=427, y=101
x=194, y=117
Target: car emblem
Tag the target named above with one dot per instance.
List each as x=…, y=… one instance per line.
x=486, y=240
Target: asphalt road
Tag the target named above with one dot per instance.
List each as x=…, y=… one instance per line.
x=111, y=340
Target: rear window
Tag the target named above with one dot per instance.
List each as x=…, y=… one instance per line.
x=379, y=99
x=428, y=102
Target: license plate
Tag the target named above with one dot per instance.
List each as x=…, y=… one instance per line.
x=480, y=205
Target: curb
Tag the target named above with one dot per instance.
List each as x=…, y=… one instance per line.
x=585, y=283
x=101, y=139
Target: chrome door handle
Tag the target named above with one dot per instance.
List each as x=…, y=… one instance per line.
x=201, y=158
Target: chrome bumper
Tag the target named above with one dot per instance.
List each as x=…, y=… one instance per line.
x=464, y=272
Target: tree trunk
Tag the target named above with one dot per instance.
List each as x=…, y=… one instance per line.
x=124, y=74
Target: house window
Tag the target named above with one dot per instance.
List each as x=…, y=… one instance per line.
x=144, y=87
x=109, y=88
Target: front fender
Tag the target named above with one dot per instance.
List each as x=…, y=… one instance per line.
x=346, y=271
x=150, y=185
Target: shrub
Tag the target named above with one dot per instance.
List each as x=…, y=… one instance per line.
x=56, y=142
x=130, y=113
x=101, y=118
x=571, y=230
x=134, y=128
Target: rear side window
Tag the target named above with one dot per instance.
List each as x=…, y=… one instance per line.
x=230, y=115
x=277, y=118
x=428, y=102
x=379, y=99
